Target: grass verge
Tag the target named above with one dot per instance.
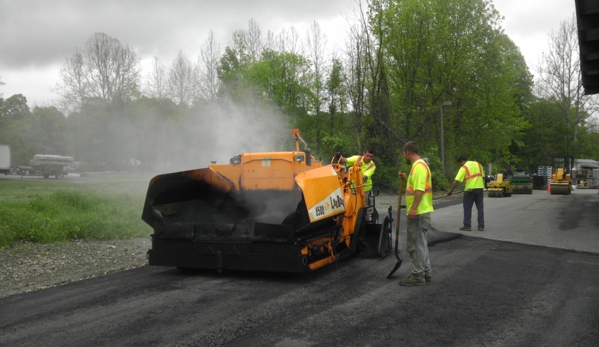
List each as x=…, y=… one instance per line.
x=105, y=207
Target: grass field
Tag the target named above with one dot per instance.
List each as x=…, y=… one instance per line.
x=96, y=206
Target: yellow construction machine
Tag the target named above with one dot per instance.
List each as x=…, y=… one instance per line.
x=268, y=211
x=500, y=187
x=560, y=182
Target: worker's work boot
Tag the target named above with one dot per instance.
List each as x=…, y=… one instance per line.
x=481, y=228
x=428, y=277
x=465, y=228
x=411, y=281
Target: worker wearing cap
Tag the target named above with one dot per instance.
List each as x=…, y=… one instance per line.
x=473, y=174
x=367, y=166
x=419, y=207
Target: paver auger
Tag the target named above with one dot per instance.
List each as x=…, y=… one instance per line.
x=271, y=211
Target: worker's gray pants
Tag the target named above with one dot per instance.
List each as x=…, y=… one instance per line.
x=418, y=245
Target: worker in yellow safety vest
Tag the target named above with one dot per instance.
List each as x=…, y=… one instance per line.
x=419, y=207
x=367, y=166
x=472, y=173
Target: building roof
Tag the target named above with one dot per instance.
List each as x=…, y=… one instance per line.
x=587, y=18
x=578, y=162
x=586, y=163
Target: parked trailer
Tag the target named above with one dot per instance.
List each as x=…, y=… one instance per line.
x=52, y=165
x=4, y=159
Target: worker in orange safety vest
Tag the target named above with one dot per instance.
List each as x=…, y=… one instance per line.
x=472, y=173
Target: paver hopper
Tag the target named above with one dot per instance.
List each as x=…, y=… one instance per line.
x=271, y=211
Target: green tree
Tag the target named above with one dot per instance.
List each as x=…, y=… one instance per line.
x=545, y=138
x=589, y=140
x=285, y=79
x=231, y=74
x=436, y=51
x=42, y=131
x=336, y=127
x=14, y=123
x=16, y=107
x=336, y=93
x=89, y=135
x=48, y=131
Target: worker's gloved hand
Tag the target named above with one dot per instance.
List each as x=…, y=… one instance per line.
x=364, y=178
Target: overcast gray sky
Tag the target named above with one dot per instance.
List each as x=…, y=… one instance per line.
x=36, y=36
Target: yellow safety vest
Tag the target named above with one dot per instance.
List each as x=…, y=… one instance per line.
x=367, y=170
x=420, y=179
x=472, y=173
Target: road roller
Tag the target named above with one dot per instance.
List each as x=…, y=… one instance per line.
x=500, y=188
x=561, y=183
x=521, y=182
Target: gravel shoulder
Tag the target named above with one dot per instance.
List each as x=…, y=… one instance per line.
x=26, y=266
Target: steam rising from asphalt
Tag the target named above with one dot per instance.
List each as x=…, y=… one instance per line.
x=237, y=129
x=212, y=133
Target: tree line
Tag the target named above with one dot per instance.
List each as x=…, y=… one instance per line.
x=439, y=72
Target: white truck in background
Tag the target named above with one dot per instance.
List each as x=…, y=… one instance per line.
x=4, y=159
x=52, y=165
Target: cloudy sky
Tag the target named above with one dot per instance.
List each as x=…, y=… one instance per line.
x=36, y=36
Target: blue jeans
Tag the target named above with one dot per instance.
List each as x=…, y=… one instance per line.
x=471, y=197
x=418, y=245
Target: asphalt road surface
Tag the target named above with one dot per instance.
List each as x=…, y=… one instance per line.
x=530, y=279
